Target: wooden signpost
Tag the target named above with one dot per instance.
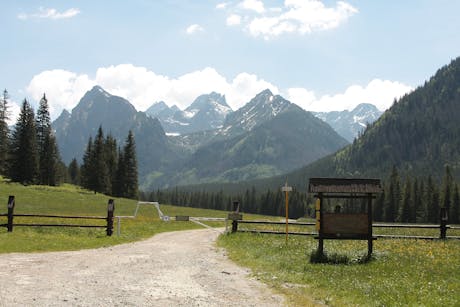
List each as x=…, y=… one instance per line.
x=340, y=225
x=286, y=189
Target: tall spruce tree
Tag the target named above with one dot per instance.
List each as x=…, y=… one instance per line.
x=432, y=201
x=74, y=172
x=447, y=187
x=405, y=211
x=47, y=147
x=130, y=166
x=4, y=133
x=378, y=208
x=111, y=160
x=43, y=124
x=416, y=201
x=49, y=162
x=119, y=182
x=420, y=210
x=393, y=197
x=101, y=179
x=87, y=168
x=24, y=155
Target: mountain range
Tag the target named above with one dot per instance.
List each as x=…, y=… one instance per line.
x=419, y=135
x=266, y=137
x=350, y=124
x=207, y=112
x=116, y=116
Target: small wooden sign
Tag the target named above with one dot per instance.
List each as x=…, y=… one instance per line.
x=286, y=189
x=235, y=216
x=345, y=224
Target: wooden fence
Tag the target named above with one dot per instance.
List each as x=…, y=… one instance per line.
x=442, y=227
x=10, y=215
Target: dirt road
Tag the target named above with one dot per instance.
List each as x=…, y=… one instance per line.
x=170, y=269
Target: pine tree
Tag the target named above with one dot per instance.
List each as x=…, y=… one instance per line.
x=130, y=165
x=43, y=124
x=378, y=208
x=447, y=184
x=47, y=147
x=416, y=201
x=87, y=168
x=393, y=197
x=420, y=210
x=405, y=212
x=4, y=132
x=101, y=179
x=74, y=172
x=49, y=162
x=24, y=155
x=111, y=160
x=432, y=202
x=119, y=182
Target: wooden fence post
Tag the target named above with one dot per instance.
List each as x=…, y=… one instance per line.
x=443, y=225
x=234, y=226
x=370, y=242
x=10, y=213
x=110, y=210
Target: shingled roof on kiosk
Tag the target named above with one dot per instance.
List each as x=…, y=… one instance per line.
x=342, y=185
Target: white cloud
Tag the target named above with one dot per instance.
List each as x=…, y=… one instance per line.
x=221, y=6
x=50, y=13
x=301, y=96
x=244, y=87
x=233, y=20
x=63, y=88
x=143, y=87
x=253, y=5
x=195, y=28
x=380, y=93
x=296, y=16
x=13, y=112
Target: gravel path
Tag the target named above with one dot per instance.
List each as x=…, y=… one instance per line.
x=170, y=269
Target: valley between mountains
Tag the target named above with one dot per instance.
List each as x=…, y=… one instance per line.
x=209, y=142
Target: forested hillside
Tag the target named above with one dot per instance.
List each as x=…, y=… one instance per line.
x=419, y=135
x=414, y=148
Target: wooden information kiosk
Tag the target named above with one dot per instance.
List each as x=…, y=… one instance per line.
x=350, y=215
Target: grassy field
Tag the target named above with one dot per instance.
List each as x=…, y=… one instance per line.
x=402, y=272
x=71, y=200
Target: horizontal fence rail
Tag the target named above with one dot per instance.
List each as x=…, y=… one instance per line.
x=64, y=216
x=10, y=215
x=440, y=227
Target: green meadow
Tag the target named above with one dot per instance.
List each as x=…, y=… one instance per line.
x=402, y=272
x=71, y=200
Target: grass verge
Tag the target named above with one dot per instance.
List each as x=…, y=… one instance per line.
x=402, y=272
x=71, y=200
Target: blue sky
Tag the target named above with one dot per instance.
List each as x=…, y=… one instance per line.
x=322, y=55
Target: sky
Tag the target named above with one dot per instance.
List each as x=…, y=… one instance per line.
x=321, y=55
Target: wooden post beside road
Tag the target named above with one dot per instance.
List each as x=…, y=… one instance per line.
x=10, y=213
x=443, y=225
x=110, y=210
x=286, y=189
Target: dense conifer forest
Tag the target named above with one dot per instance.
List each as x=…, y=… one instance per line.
x=405, y=200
